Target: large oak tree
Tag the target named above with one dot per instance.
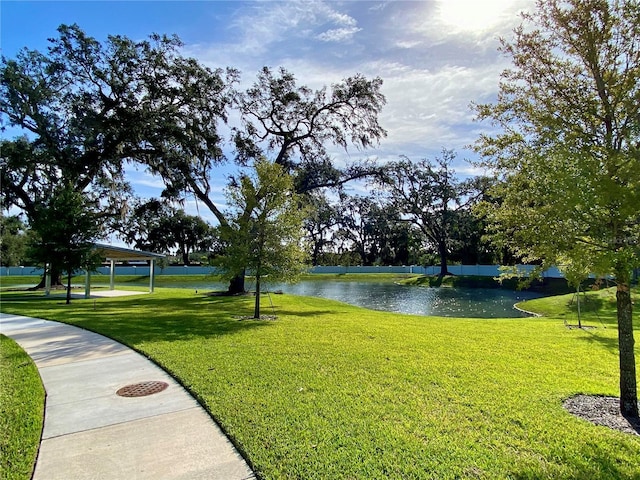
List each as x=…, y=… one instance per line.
x=567, y=149
x=428, y=194
x=290, y=125
x=87, y=108
x=157, y=226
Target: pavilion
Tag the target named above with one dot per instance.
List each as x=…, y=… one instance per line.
x=113, y=254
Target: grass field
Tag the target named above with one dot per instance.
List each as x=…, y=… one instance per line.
x=332, y=391
x=21, y=411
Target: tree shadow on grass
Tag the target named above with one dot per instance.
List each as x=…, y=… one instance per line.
x=138, y=319
x=592, y=336
x=297, y=313
x=594, y=462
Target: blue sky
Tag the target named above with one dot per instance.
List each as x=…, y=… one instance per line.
x=435, y=56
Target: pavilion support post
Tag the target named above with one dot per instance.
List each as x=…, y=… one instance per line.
x=47, y=279
x=152, y=272
x=87, y=284
x=112, y=274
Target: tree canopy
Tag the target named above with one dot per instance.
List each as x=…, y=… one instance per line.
x=293, y=125
x=83, y=107
x=430, y=196
x=158, y=226
x=13, y=240
x=567, y=149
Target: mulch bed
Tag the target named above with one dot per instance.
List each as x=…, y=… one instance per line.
x=603, y=411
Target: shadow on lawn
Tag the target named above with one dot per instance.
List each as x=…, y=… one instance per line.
x=297, y=313
x=592, y=336
x=595, y=462
x=138, y=319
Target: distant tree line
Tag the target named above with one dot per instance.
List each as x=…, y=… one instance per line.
x=382, y=228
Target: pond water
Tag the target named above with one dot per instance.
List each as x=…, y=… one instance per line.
x=444, y=301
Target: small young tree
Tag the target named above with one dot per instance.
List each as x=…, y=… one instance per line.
x=567, y=152
x=65, y=229
x=265, y=234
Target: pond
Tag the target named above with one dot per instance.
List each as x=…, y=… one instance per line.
x=444, y=301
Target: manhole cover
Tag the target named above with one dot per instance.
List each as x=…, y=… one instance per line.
x=142, y=389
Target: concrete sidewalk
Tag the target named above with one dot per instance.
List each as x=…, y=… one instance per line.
x=90, y=432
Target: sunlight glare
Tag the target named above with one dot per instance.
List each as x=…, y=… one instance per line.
x=472, y=15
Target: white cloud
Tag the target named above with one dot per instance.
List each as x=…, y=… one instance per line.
x=275, y=29
x=338, y=34
x=424, y=106
x=435, y=58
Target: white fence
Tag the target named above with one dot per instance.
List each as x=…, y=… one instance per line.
x=477, y=270
x=143, y=270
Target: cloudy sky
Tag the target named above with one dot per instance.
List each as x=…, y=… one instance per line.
x=434, y=56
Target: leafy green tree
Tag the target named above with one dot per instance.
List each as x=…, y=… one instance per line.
x=13, y=240
x=355, y=227
x=567, y=149
x=157, y=226
x=428, y=195
x=320, y=225
x=374, y=231
x=65, y=229
x=266, y=228
x=89, y=108
x=190, y=234
x=82, y=106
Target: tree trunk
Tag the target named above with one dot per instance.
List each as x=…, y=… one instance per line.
x=628, y=388
x=68, y=288
x=56, y=279
x=236, y=285
x=316, y=253
x=256, y=310
x=442, y=251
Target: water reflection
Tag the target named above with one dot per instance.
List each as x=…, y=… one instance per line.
x=445, y=301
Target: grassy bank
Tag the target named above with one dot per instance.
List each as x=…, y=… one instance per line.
x=548, y=286
x=21, y=411
x=334, y=391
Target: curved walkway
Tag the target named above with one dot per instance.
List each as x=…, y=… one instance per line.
x=90, y=432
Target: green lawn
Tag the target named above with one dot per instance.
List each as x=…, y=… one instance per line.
x=331, y=391
x=21, y=411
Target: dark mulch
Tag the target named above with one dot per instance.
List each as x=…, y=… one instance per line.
x=604, y=411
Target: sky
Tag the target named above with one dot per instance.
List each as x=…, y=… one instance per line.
x=435, y=57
